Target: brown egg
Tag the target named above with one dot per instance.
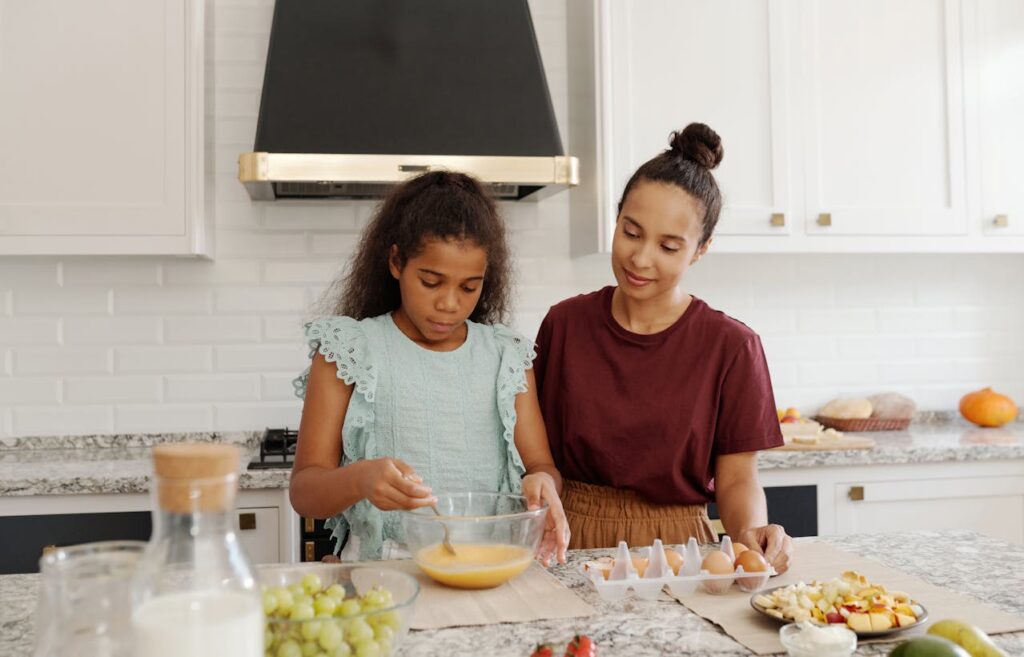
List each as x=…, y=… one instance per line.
x=751, y=562
x=717, y=563
x=674, y=559
x=737, y=548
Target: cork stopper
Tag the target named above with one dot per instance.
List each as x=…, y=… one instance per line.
x=194, y=477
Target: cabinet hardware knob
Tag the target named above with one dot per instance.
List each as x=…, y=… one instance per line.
x=1001, y=221
x=856, y=493
x=825, y=219
x=246, y=521
x=778, y=219
x=309, y=551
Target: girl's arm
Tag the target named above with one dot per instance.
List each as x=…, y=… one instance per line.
x=542, y=481
x=744, y=512
x=319, y=487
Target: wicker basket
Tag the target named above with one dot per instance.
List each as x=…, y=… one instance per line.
x=865, y=424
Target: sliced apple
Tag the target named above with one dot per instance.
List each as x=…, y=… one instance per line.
x=905, y=621
x=859, y=622
x=880, y=621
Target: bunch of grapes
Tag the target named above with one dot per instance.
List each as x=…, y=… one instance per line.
x=327, y=624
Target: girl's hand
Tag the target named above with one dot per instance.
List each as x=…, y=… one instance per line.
x=537, y=488
x=771, y=541
x=391, y=484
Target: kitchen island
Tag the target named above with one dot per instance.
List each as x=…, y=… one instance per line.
x=986, y=569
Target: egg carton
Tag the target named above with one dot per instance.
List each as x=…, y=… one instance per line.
x=658, y=574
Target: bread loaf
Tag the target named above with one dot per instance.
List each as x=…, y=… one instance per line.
x=852, y=408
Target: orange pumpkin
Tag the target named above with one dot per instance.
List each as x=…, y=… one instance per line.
x=987, y=408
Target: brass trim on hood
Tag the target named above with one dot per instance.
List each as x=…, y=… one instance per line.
x=259, y=172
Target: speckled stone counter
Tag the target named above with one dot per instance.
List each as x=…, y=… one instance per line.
x=661, y=627
x=77, y=465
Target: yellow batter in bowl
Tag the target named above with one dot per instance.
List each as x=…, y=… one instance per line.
x=473, y=566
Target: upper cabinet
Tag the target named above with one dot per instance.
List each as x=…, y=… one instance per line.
x=102, y=127
x=847, y=125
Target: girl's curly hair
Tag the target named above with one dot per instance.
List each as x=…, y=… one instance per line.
x=437, y=205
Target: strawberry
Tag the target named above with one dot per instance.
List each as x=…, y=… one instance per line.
x=581, y=646
x=543, y=650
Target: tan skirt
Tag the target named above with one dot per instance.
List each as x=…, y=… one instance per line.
x=600, y=517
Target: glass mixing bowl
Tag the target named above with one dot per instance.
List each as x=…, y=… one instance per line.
x=494, y=536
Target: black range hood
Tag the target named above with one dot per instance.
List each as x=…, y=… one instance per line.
x=359, y=95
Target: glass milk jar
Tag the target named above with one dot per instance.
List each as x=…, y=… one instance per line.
x=194, y=592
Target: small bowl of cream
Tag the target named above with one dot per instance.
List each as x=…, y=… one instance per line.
x=808, y=639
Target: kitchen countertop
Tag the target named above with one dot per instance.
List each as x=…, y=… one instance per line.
x=638, y=628
x=75, y=465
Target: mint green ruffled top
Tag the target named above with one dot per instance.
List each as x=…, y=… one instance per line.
x=450, y=415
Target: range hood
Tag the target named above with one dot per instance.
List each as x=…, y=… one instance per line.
x=359, y=95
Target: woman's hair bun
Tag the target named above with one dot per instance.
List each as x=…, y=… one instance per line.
x=699, y=144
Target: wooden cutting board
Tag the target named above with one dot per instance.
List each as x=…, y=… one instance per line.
x=846, y=441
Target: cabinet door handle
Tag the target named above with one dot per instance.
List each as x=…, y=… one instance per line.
x=856, y=493
x=825, y=219
x=778, y=219
x=310, y=551
x=309, y=525
x=1001, y=221
x=246, y=521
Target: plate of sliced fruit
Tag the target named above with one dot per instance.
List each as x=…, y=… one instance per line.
x=868, y=609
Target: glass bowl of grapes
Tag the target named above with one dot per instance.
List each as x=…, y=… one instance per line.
x=336, y=609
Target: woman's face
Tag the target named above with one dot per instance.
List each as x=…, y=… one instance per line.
x=656, y=239
x=440, y=287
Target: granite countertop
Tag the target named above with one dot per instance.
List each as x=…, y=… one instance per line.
x=70, y=465
x=639, y=628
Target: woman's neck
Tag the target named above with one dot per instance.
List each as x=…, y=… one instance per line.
x=652, y=315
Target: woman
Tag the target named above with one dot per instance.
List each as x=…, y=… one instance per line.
x=655, y=403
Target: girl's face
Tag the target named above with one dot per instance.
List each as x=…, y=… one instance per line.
x=656, y=239
x=440, y=288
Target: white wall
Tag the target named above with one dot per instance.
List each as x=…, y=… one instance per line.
x=142, y=344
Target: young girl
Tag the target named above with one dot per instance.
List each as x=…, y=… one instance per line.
x=414, y=386
x=693, y=398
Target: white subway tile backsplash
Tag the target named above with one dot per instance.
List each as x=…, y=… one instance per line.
x=112, y=389
x=25, y=273
x=92, y=272
x=335, y=245
x=112, y=330
x=162, y=301
x=339, y=216
x=204, y=273
x=163, y=417
x=261, y=358
x=230, y=417
x=211, y=388
x=29, y=331
x=211, y=330
x=915, y=320
x=163, y=359
x=260, y=299
x=823, y=373
x=306, y=271
x=915, y=371
x=61, y=421
x=799, y=347
x=71, y=360
x=255, y=245
x=278, y=387
x=29, y=390
x=284, y=328
x=877, y=347
x=90, y=301
x=837, y=320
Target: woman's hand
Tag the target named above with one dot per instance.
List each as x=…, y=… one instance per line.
x=391, y=484
x=771, y=541
x=538, y=488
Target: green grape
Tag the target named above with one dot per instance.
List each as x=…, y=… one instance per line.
x=336, y=591
x=358, y=631
x=296, y=589
x=349, y=607
x=372, y=599
x=369, y=648
x=285, y=600
x=310, y=648
x=268, y=638
x=330, y=636
x=389, y=618
x=289, y=649
x=383, y=632
x=302, y=612
x=325, y=605
x=385, y=646
x=386, y=598
x=311, y=630
x=269, y=603
x=343, y=650
x=312, y=583
x=304, y=599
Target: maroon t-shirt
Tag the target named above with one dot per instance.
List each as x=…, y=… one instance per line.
x=649, y=413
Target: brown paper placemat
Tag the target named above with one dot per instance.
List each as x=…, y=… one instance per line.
x=821, y=561
x=533, y=595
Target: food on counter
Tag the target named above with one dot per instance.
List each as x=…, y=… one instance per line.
x=850, y=600
x=809, y=640
x=808, y=432
x=738, y=548
x=333, y=623
x=928, y=646
x=967, y=636
x=987, y=408
x=717, y=563
x=482, y=566
x=892, y=406
x=847, y=408
x=601, y=565
x=543, y=650
x=751, y=561
x=604, y=565
x=789, y=415
x=674, y=559
x=581, y=646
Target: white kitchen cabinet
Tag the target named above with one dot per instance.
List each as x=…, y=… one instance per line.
x=101, y=127
x=1000, y=86
x=884, y=126
x=677, y=61
x=258, y=533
